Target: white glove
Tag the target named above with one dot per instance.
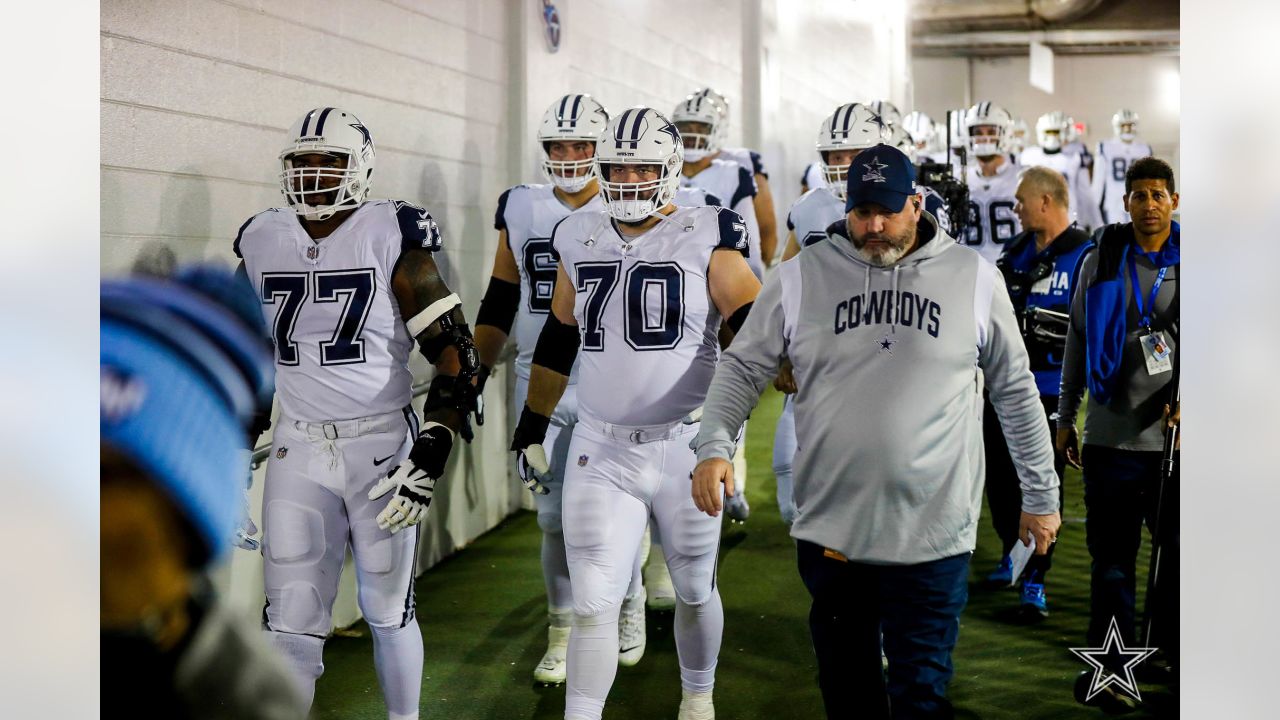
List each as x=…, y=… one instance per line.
x=244, y=534
x=695, y=415
x=414, y=480
x=533, y=468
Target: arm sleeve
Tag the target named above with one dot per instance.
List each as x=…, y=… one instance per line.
x=751, y=361
x=1071, y=391
x=1003, y=359
x=500, y=217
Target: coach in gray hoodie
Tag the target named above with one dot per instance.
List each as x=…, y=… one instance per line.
x=891, y=328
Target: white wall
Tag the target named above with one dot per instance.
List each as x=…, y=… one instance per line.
x=1088, y=87
x=197, y=95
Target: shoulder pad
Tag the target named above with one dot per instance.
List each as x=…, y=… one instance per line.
x=714, y=201
x=235, y=246
x=500, y=218
x=746, y=187
x=732, y=231
x=418, y=230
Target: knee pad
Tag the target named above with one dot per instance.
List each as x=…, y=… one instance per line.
x=299, y=609
x=693, y=581
x=294, y=534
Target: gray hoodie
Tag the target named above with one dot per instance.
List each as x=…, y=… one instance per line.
x=890, y=365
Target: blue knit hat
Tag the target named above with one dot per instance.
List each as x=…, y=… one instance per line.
x=184, y=366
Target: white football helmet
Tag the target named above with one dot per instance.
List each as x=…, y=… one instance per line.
x=722, y=105
x=327, y=131
x=701, y=107
x=901, y=139
x=853, y=126
x=987, y=114
x=1018, y=136
x=1120, y=120
x=1073, y=130
x=887, y=112
x=639, y=136
x=572, y=117
x=920, y=127
x=1051, y=130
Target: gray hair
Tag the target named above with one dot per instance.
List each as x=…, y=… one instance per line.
x=1046, y=181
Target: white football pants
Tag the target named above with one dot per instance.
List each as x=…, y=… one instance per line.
x=315, y=501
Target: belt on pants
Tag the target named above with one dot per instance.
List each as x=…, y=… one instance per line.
x=639, y=434
x=334, y=429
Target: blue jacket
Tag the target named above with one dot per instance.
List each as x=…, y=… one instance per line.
x=1045, y=279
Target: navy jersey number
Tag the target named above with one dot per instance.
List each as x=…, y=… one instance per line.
x=653, y=304
x=288, y=290
x=540, y=268
x=1118, y=167
x=597, y=281
x=1003, y=226
x=355, y=287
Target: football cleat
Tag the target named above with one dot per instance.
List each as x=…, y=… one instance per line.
x=553, y=667
x=631, y=630
x=696, y=706
x=657, y=579
x=1002, y=575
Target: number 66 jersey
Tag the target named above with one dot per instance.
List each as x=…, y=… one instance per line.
x=342, y=348
x=644, y=311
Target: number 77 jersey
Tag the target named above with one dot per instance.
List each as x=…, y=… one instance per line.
x=342, y=348
x=992, y=222
x=644, y=311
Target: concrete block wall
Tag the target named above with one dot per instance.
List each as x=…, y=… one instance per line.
x=196, y=96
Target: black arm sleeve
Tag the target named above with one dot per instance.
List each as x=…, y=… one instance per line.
x=557, y=346
x=499, y=306
x=739, y=316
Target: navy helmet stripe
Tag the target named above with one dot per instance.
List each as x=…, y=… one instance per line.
x=848, y=118
x=577, y=107
x=635, y=128
x=320, y=121
x=560, y=113
x=306, y=123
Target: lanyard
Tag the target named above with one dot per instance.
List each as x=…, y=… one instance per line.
x=1144, y=314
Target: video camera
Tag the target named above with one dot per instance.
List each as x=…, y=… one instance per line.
x=952, y=191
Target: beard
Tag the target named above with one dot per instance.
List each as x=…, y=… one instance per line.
x=893, y=249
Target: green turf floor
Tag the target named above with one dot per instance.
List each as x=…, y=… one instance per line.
x=483, y=613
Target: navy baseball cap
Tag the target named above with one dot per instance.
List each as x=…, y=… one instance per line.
x=882, y=175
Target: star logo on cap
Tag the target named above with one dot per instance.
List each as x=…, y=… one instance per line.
x=1113, y=663
x=874, y=171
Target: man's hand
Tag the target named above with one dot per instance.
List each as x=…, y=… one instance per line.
x=708, y=477
x=1068, y=444
x=785, y=382
x=414, y=480
x=1043, y=527
x=531, y=456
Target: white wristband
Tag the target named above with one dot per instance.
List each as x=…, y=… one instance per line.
x=434, y=312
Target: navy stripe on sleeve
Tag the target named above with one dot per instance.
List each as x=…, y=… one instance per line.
x=746, y=187
x=500, y=218
x=733, y=232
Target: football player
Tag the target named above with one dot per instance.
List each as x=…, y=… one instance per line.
x=1114, y=157
x=747, y=158
x=1051, y=131
x=887, y=111
x=992, y=179
x=1073, y=144
x=348, y=285
x=642, y=289
x=923, y=134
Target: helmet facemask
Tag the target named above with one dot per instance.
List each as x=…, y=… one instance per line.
x=837, y=174
x=985, y=145
x=699, y=145
x=317, y=192
x=635, y=201
x=570, y=176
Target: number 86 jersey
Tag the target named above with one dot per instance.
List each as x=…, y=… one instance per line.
x=342, y=348
x=644, y=311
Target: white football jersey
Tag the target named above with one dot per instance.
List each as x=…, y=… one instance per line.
x=1113, y=161
x=811, y=213
x=1084, y=209
x=747, y=158
x=644, y=311
x=529, y=213
x=736, y=188
x=992, y=222
x=342, y=348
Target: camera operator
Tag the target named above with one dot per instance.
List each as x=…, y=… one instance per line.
x=1039, y=266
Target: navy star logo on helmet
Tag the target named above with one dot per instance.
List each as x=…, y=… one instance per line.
x=671, y=130
x=360, y=128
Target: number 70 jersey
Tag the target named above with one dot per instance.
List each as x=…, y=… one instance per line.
x=644, y=311
x=342, y=348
